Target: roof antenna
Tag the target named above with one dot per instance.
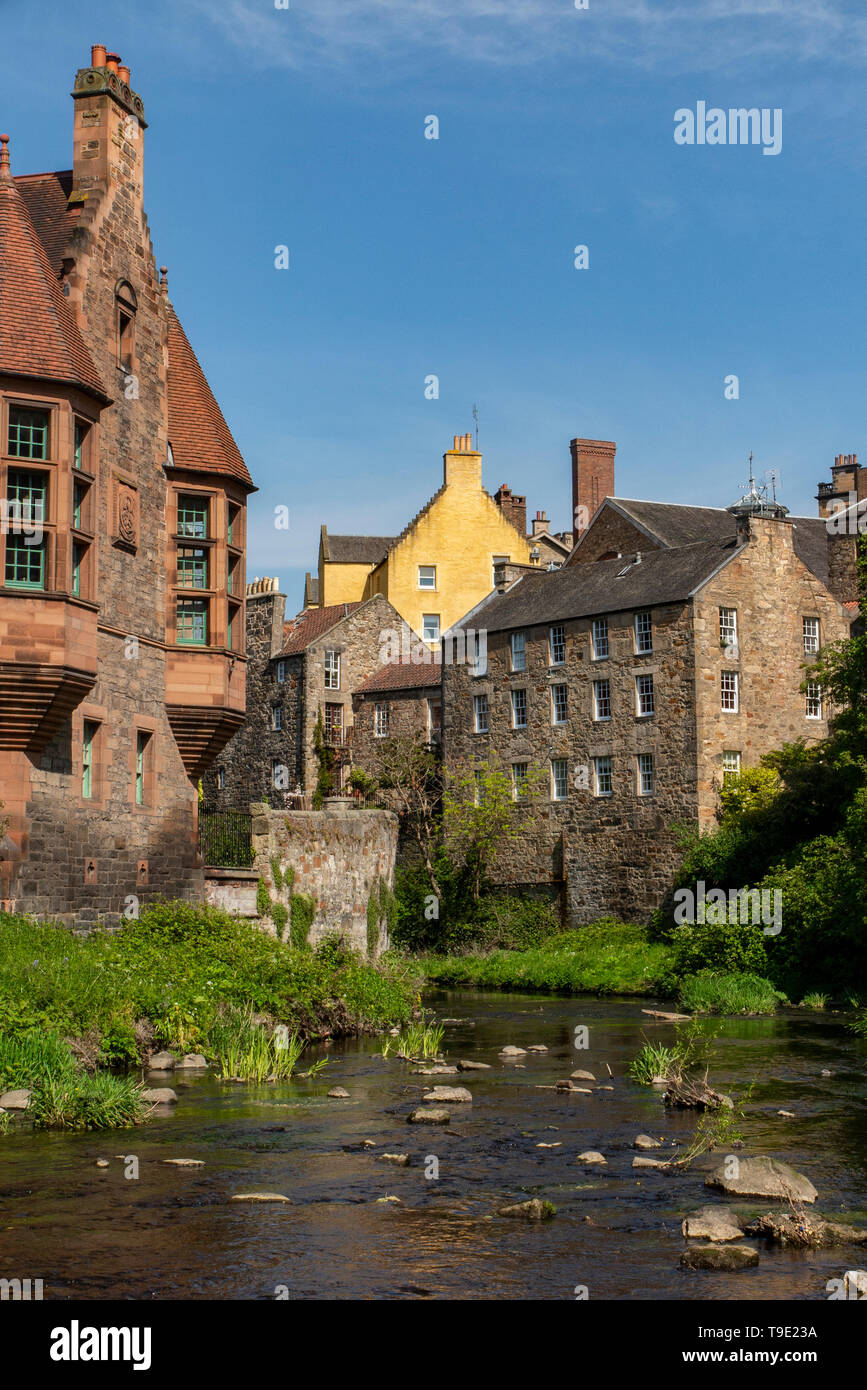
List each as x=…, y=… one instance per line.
x=476, y=418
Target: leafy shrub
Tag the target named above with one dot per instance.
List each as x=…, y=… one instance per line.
x=119, y=1045
x=303, y=912
x=718, y=946
x=715, y=992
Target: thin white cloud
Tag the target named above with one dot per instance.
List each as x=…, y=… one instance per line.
x=708, y=35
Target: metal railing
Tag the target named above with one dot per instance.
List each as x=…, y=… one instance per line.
x=225, y=838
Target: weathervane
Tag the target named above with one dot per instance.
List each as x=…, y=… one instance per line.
x=476, y=418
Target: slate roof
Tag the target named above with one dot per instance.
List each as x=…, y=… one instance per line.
x=675, y=524
x=579, y=591
x=39, y=336
x=199, y=436
x=300, y=631
x=402, y=675
x=355, y=550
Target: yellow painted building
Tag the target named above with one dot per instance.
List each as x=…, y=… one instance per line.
x=441, y=565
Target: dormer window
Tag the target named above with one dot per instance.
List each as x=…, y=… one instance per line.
x=126, y=305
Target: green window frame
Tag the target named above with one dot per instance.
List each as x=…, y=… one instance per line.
x=28, y=433
x=192, y=622
x=192, y=567
x=78, y=553
x=90, y=730
x=234, y=513
x=193, y=517
x=29, y=489
x=79, y=493
x=141, y=745
x=25, y=564
x=80, y=434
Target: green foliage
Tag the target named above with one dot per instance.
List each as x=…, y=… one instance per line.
x=325, y=758
x=418, y=1041
x=607, y=957
x=279, y=916
x=263, y=899
x=303, y=912
x=715, y=992
x=457, y=923
x=654, y=1061
x=481, y=817
x=362, y=782
x=63, y=1095
x=276, y=873
x=372, y=923
x=119, y=1045
x=751, y=789
x=225, y=835
x=726, y=946
x=816, y=1001
x=245, y=1051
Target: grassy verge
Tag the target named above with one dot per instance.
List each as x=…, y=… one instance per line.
x=182, y=977
x=605, y=958
x=715, y=992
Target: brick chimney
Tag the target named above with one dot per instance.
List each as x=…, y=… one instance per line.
x=540, y=523
x=592, y=478
x=848, y=484
x=462, y=465
x=514, y=508
x=109, y=127
x=839, y=507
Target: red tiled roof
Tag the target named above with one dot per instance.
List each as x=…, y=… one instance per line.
x=313, y=623
x=46, y=196
x=402, y=675
x=199, y=436
x=38, y=333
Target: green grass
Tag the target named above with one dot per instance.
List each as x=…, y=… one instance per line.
x=716, y=992
x=245, y=1051
x=654, y=1060
x=417, y=1040
x=63, y=1095
x=178, y=967
x=814, y=1001
x=605, y=958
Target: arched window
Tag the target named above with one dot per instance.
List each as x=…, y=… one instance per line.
x=126, y=305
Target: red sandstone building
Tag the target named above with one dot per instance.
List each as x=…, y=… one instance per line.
x=122, y=537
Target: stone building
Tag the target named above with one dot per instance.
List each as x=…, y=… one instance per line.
x=299, y=671
x=669, y=651
x=399, y=700
x=122, y=536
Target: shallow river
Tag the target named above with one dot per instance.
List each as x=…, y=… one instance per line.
x=174, y=1233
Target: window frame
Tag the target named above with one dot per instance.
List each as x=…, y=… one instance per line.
x=564, y=764
x=643, y=627
x=734, y=690
x=598, y=700
x=517, y=645
x=557, y=686
x=427, y=588
x=811, y=650
x=555, y=645
x=480, y=703
x=519, y=782
x=519, y=698
x=600, y=637
x=381, y=719
x=643, y=772
x=645, y=693
x=599, y=772
x=425, y=617
x=813, y=695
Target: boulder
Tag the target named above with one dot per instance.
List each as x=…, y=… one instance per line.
x=194, y=1061
x=162, y=1061
x=338, y=1093
x=782, y=1228
x=436, y=1071
x=457, y=1095
x=260, y=1197
x=591, y=1156
x=160, y=1095
x=761, y=1177
x=534, y=1210
x=582, y=1076
x=644, y=1141
x=434, y=1116
x=400, y=1160
x=565, y=1085
x=511, y=1051
x=649, y=1163
x=711, y=1223
x=473, y=1066
x=726, y=1257
x=15, y=1100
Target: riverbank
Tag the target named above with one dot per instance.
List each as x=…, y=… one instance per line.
x=76, y=1010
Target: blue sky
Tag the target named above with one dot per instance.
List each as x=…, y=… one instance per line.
x=408, y=256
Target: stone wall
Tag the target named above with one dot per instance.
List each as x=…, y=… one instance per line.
x=338, y=857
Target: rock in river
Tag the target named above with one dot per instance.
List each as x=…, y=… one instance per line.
x=729, y=1257
x=534, y=1210
x=162, y=1061
x=761, y=1177
x=711, y=1223
x=401, y=1160
x=194, y=1061
x=160, y=1095
x=511, y=1051
x=592, y=1156
x=338, y=1093
x=456, y=1095
x=473, y=1066
x=260, y=1197
x=582, y=1076
x=15, y=1100
x=432, y=1116
x=644, y=1141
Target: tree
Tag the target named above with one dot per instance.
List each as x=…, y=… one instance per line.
x=411, y=773
x=482, y=816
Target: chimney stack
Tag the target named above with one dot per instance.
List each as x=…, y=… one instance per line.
x=540, y=523
x=592, y=478
x=109, y=125
x=514, y=508
x=462, y=464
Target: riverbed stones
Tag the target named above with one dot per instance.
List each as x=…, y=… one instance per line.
x=15, y=1100
x=725, y=1257
x=813, y=1233
x=399, y=1160
x=452, y=1095
x=761, y=1177
x=193, y=1061
x=511, y=1051
x=536, y=1047
x=534, y=1210
x=434, y=1115
x=644, y=1141
x=787, y=1114
x=582, y=1076
x=441, y=1070
x=102, y=1163
x=162, y=1061
x=711, y=1223
x=591, y=1156
x=260, y=1197
x=338, y=1093
x=639, y=1162
x=464, y=1065
x=160, y=1095
x=185, y=1162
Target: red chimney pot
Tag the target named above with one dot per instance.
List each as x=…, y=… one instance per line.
x=97, y=55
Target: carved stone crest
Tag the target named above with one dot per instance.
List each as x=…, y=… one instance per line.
x=126, y=516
